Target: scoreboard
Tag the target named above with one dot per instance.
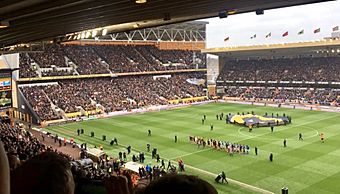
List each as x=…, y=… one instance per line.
x=5, y=84
x=5, y=90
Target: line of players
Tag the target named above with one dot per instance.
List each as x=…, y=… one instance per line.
x=231, y=148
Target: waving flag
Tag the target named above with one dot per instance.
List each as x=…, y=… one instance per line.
x=285, y=34
x=336, y=28
x=226, y=39
x=269, y=35
x=301, y=32
x=317, y=30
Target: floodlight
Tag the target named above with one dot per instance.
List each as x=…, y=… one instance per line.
x=104, y=32
x=140, y=1
x=94, y=33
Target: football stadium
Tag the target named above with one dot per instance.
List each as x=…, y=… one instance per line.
x=151, y=96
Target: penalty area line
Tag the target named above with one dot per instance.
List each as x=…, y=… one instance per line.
x=236, y=182
x=232, y=181
x=188, y=154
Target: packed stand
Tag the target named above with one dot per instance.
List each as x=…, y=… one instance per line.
x=107, y=93
x=122, y=93
x=144, y=93
x=69, y=94
x=86, y=59
x=30, y=159
x=116, y=58
x=19, y=143
x=314, y=96
x=51, y=56
x=297, y=69
x=191, y=89
x=137, y=58
x=25, y=66
x=146, y=50
x=39, y=102
x=120, y=58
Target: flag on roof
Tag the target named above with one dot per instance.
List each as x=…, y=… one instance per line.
x=285, y=34
x=269, y=35
x=336, y=28
x=226, y=39
x=317, y=30
x=301, y=32
x=254, y=36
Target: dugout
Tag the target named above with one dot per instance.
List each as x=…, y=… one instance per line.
x=94, y=154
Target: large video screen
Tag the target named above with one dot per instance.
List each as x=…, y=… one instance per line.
x=5, y=92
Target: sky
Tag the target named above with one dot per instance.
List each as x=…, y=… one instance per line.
x=240, y=27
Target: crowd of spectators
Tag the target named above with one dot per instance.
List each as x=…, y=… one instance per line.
x=315, y=96
x=146, y=51
x=114, y=94
x=116, y=58
x=51, y=56
x=144, y=93
x=31, y=163
x=286, y=69
x=87, y=60
x=171, y=56
x=107, y=93
x=19, y=144
x=39, y=102
x=137, y=58
x=69, y=94
x=191, y=89
x=119, y=58
x=25, y=66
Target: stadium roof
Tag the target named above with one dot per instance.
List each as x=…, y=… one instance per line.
x=23, y=21
x=325, y=47
x=185, y=31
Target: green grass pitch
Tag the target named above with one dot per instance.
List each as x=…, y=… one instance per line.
x=307, y=166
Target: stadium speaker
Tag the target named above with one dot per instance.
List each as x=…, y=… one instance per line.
x=284, y=190
x=223, y=14
x=259, y=12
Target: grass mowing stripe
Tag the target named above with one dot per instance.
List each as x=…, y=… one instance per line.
x=253, y=170
x=244, y=185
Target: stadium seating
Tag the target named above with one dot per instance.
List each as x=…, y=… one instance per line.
x=22, y=147
x=25, y=66
x=52, y=56
x=312, y=96
x=297, y=69
x=122, y=93
x=61, y=60
x=39, y=102
x=87, y=60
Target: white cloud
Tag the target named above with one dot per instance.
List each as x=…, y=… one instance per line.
x=293, y=19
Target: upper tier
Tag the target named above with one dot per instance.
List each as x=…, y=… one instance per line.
x=60, y=60
x=296, y=69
